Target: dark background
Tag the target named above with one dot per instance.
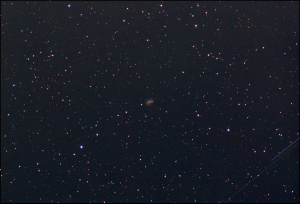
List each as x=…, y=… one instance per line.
x=224, y=77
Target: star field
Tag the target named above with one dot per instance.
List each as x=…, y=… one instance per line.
x=149, y=102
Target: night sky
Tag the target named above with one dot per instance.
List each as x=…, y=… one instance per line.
x=149, y=102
